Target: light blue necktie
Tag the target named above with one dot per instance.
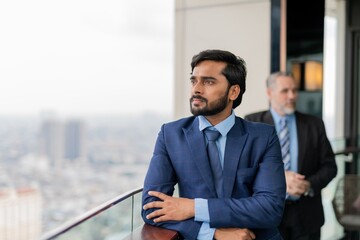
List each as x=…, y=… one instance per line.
x=284, y=138
x=213, y=154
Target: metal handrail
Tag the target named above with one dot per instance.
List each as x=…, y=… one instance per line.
x=93, y=212
x=348, y=150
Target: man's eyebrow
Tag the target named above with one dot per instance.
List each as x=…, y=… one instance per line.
x=203, y=78
x=208, y=78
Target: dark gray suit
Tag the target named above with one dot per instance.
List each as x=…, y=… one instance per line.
x=316, y=161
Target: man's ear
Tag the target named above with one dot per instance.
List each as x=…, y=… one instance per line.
x=234, y=92
x=268, y=92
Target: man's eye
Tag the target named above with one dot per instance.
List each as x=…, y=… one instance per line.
x=208, y=82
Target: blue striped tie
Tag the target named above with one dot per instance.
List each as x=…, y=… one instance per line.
x=213, y=154
x=284, y=138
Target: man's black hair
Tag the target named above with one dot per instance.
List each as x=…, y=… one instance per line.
x=235, y=70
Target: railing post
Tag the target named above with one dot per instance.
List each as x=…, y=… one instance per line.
x=132, y=213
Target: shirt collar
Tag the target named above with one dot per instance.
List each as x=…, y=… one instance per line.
x=223, y=127
x=277, y=117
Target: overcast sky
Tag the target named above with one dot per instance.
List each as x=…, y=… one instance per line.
x=78, y=57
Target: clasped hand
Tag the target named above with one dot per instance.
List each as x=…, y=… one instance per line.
x=296, y=185
x=170, y=208
x=177, y=209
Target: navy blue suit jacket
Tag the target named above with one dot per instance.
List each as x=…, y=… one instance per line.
x=254, y=181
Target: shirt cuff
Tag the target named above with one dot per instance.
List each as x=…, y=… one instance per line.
x=206, y=232
x=201, y=210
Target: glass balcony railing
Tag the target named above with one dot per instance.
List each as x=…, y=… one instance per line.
x=119, y=218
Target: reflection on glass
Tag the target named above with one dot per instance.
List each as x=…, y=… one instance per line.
x=116, y=222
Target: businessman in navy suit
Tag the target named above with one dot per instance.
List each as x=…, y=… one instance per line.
x=251, y=202
x=312, y=161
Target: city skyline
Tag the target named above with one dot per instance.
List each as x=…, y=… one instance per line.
x=111, y=166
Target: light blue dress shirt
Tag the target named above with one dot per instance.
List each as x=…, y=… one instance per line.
x=201, y=205
x=294, y=151
x=294, y=148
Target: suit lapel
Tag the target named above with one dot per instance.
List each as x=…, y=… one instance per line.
x=196, y=141
x=268, y=118
x=235, y=143
x=302, y=132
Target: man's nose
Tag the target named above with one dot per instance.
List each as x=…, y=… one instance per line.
x=292, y=94
x=197, y=87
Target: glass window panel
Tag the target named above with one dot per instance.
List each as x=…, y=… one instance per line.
x=116, y=222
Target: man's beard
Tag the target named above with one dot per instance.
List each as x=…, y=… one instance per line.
x=211, y=109
x=288, y=110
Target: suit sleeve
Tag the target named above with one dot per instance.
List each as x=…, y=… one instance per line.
x=263, y=208
x=324, y=158
x=162, y=177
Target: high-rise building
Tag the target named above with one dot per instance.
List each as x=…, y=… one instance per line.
x=61, y=141
x=20, y=214
x=74, y=140
x=52, y=142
